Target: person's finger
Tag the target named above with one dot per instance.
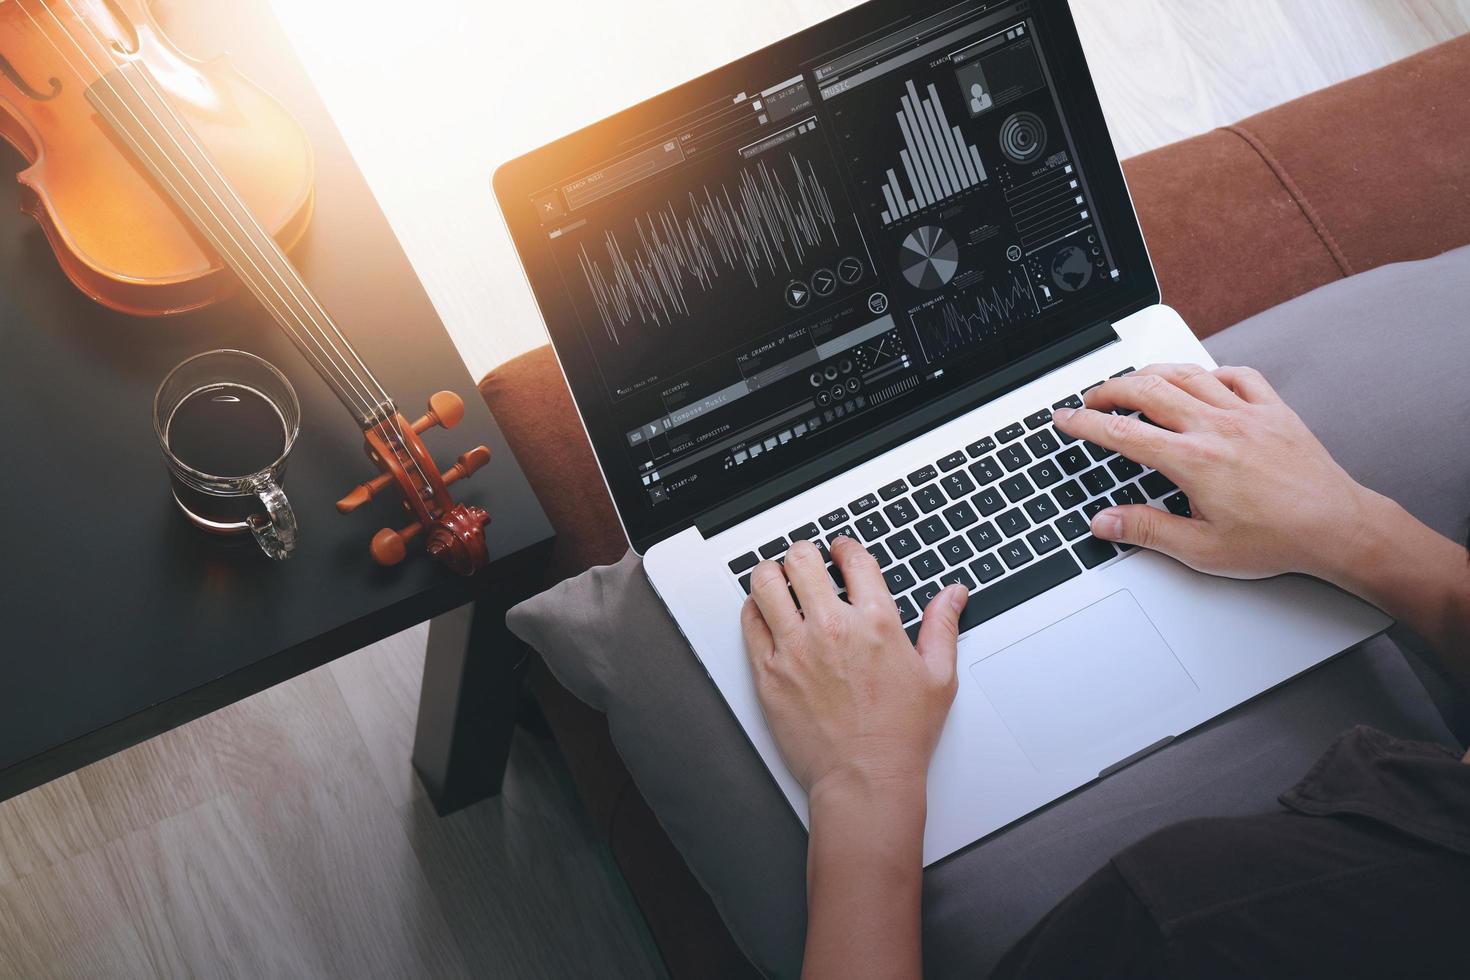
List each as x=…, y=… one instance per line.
x=940, y=631
x=1150, y=445
x=771, y=593
x=1183, y=538
x=807, y=573
x=1159, y=399
x=760, y=646
x=860, y=573
x=1249, y=384
x=1198, y=382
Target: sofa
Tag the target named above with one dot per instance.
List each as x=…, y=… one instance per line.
x=1373, y=171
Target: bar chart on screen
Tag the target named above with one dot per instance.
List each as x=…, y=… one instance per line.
x=937, y=162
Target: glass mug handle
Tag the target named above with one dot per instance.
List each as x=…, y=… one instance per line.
x=276, y=531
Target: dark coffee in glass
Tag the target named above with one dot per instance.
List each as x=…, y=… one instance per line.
x=226, y=421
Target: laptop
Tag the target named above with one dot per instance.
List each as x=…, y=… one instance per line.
x=837, y=288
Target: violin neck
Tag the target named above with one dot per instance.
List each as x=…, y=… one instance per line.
x=135, y=107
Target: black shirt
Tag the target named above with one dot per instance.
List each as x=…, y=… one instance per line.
x=1364, y=873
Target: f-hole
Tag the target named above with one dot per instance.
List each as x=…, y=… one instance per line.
x=125, y=35
x=8, y=70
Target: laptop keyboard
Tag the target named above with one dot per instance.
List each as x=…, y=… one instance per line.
x=1007, y=516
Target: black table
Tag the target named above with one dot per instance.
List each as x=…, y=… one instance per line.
x=119, y=619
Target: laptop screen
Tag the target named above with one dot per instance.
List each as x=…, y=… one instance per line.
x=752, y=270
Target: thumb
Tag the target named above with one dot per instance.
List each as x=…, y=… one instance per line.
x=941, y=630
x=1151, y=528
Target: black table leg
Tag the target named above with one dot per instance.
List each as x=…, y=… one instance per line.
x=472, y=689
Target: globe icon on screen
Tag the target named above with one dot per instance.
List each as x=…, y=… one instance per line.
x=1071, y=269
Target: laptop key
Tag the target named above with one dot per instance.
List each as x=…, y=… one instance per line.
x=899, y=579
x=932, y=529
x=987, y=568
x=929, y=498
x=956, y=551
x=918, y=477
x=1068, y=495
x=1044, y=540
x=901, y=512
x=926, y=564
x=744, y=563
x=893, y=490
x=903, y=544
x=1093, y=552
x=1036, y=420
x=957, y=577
x=960, y=516
x=1045, y=473
x=871, y=527
x=863, y=504
x=1124, y=469
x=986, y=471
x=1179, y=504
x=984, y=537
x=844, y=532
x=953, y=461
x=906, y=611
x=837, y=578
x=1097, y=480
x=1010, y=592
x=988, y=501
x=1128, y=495
x=838, y=516
x=1013, y=458
x=1095, y=507
x=745, y=582
x=1073, y=460
x=958, y=486
x=978, y=449
x=1097, y=452
x=774, y=549
x=1157, y=485
x=805, y=533
x=880, y=554
x=1011, y=432
x=1071, y=401
x=925, y=594
x=1012, y=522
x=1017, y=488
x=1126, y=370
x=1074, y=525
x=1015, y=554
x=1042, y=509
x=1042, y=443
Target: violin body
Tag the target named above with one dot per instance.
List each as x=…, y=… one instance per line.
x=117, y=235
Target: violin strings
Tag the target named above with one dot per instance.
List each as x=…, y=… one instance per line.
x=388, y=423
x=326, y=369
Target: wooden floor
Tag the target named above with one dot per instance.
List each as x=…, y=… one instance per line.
x=285, y=836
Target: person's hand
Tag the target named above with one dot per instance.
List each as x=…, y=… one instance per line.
x=1266, y=497
x=844, y=691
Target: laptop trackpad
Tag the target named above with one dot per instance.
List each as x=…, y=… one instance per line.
x=1099, y=681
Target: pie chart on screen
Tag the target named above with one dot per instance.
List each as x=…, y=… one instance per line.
x=929, y=257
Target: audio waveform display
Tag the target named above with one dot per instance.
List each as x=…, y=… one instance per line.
x=956, y=323
x=763, y=226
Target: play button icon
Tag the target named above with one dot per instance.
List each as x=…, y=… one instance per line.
x=798, y=294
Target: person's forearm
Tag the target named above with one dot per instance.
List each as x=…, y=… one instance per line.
x=864, y=879
x=1419, y=577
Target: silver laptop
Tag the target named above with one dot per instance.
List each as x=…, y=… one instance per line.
x=837, y=288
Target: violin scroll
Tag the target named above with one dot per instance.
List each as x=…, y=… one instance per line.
x=456, y=532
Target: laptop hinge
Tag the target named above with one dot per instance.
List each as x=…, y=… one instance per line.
x=902, y=429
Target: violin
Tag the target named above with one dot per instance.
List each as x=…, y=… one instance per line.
x=164, y=183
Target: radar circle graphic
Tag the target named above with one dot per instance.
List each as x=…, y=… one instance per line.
x=1071, y=269
x=1023, y=137
x=929, y=257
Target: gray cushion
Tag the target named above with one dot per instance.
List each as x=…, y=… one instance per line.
x=1374, y=363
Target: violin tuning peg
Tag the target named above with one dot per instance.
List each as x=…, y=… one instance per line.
x=362, y=493
x=389, y=547
x=445, y=409
x=467, y=464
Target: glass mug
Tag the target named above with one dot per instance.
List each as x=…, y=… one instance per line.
x=226, y=421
